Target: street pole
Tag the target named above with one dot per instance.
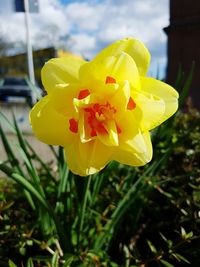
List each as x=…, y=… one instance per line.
x=28, y=42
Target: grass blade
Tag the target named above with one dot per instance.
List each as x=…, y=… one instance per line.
x=8, y=123
x=7, y=147
x=14, y=163
x=83, y=206
x=24, y=183
x=63, y=180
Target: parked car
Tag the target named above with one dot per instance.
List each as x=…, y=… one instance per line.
x=18, y=89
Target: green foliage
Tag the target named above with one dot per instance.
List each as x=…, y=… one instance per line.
x=122, y=216
x=11, y=264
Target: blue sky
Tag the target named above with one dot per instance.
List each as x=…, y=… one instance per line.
x=85, y=27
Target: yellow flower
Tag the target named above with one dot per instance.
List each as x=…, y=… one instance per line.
x=102, y=110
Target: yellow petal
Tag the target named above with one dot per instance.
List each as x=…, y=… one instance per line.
x=60, y=71
x=62, y=99
x=163, y=91
x=48, y=125
x=135, y=152
x=151, y=109
x=121, y=97
x=110, y=139
x=87, y=158
x=121, y=67
x=84, y=130
x=85, y=102
x=133, y=47
x=129, y=125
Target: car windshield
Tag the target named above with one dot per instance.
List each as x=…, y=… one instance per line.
x=14, y=81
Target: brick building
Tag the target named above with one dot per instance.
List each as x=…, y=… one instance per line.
x=184, y=43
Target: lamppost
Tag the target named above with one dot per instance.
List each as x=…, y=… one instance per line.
x=28, y=43
x=28, y=6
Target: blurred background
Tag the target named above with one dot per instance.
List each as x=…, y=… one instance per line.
x=61, y=28
x=85, y=27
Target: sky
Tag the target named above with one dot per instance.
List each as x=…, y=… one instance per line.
x=85, y=27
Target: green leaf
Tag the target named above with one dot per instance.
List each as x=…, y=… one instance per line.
x=11, y=264
x=7, y=121
x=166, y=263
x=64, y=174
x=189, y=235
x=81, y=216
x=151, y=246
x=61, y=156
x=186, y=87
x=185, y=235
x=54, y=152
x=37, y=158
x=107, y=233
x=55, y=259
x=163, y=237
x=179, y=78
x=183, y=232
x=31, y=170
x=24, y=183
x=20, y=136
x=97, y=185
x=30, y=263
x=7, y=147
x=14, y=163
x=180, y=257
x=69, y=259
x=23, y=148
x=24, y=151
x=46, y=223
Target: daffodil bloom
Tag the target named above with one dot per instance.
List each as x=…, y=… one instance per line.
x=104, y=109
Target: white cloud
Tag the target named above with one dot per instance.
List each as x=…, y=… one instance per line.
x=91, y=25
x=83, y=44
x=83, y=15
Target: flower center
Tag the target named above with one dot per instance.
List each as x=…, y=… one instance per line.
x=97, y=116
